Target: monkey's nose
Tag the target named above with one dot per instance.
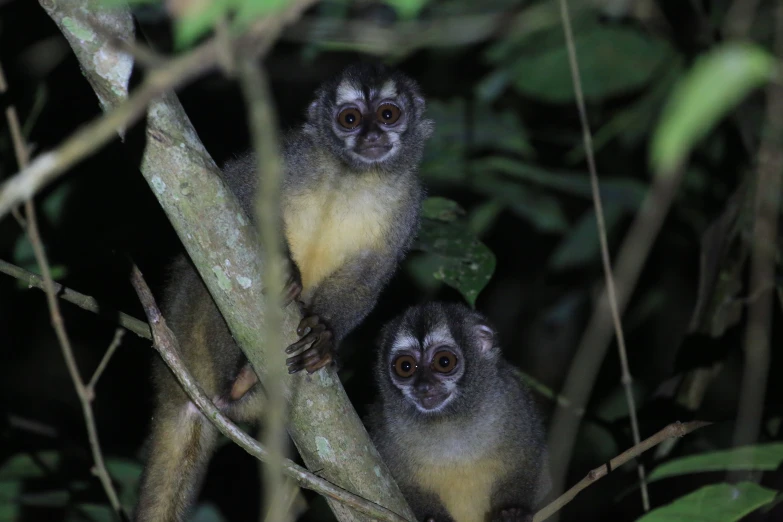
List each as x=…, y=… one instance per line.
x=372, y=137
x=424, y=389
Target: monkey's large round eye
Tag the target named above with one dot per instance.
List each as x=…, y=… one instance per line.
x=444, y=361
x=388, y=113
x=349, y=118
x=404, y=365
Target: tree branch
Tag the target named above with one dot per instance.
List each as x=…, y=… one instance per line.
x=263, y=126
x=676, y=429
x=167, y=346
x=763, y=259
x=83, y=301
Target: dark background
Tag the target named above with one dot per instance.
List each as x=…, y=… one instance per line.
x=102, y=210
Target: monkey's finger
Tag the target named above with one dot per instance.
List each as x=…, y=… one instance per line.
x=292, y=291
x=314, y=352
x=307, y=322
x=308, y=359
x=320, y=364
x=313, y=335
x=300, y=363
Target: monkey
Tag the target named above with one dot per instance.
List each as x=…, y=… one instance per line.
x=349, y=206
x=458, y=429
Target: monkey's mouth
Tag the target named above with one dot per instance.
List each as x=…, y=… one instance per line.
x=432, y=402
x=373, y=152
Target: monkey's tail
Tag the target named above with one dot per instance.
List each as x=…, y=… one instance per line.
x=180, y=448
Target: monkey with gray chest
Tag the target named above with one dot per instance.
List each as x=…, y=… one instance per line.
x=456, y=427
x=350, y=201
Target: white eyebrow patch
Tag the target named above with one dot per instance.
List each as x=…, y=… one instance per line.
x=439, y=335
x=389, y=90
x=404, y=342
x=347, y=92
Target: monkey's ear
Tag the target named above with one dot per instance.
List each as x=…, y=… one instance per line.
x=312, y=111
x=486, y=337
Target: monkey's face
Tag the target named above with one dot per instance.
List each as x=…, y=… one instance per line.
x=370, y=122
x=435, y=356
x=427, y=373
x=370, y=117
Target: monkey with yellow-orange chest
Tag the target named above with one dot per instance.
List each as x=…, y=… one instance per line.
x=350, y=201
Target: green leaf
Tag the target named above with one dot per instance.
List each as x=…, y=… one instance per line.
x=9, y=512
x=207, y=512
x=716, y=83
x=24, y=256
x=22, y=465
x=199, y=19
x=452, y=256
x=581, y=245
x=124, y=471
x=499, y=130
x=94, y=513
x=760, y=457
x=623, y=191
x=542, y=210
x=445, y=152
x=10, y=490
x=714, y=503
x=441, y=209
x=52, y=206
x=251, y=10
x=128, y=474
x=407, y=8
x=51, y=499
x=455, y=139
x=612, y=60
x=484, y=215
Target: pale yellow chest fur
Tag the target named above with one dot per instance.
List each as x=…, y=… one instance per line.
x=327, y=225
x=465, y=488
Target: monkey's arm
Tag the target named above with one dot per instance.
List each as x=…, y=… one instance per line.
x=337, y=306
x=516, y=497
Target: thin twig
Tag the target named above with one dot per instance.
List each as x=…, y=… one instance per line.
x=83, y=301
x=175, y=72
x=763, y=254
x=166, y=344
x=59, y=327
x=676, y=429
x=627, y=379
x=598, y=334
x=263, y=127
x=14, y=127
x=20, y=149
x=115, y=343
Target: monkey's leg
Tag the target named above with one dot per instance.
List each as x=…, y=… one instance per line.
x=181, y=445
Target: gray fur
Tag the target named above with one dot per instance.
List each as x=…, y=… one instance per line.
x=492, y=414
x=182, y=443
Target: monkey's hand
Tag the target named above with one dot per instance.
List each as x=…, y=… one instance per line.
x=314, y=349
x=513, y=515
